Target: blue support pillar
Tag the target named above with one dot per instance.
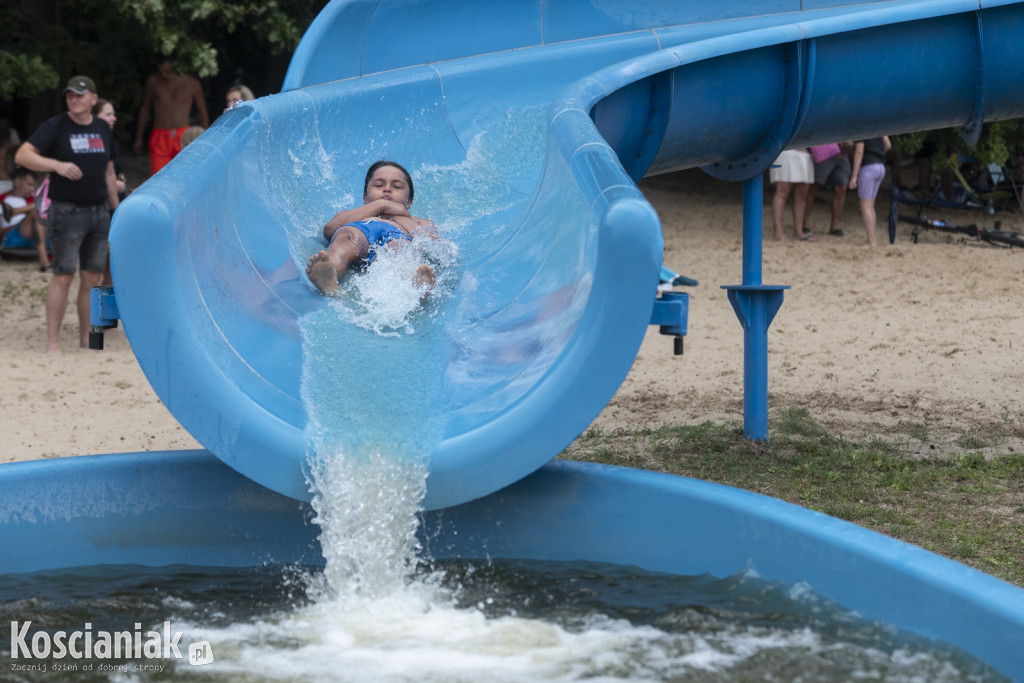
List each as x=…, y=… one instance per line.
x=756, y=305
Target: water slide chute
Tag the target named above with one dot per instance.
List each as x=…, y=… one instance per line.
x=527, y=131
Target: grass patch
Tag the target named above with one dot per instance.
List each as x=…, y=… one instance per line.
x=965, y=507
x=13, y=292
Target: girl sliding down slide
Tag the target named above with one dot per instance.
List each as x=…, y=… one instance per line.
x=355, y=235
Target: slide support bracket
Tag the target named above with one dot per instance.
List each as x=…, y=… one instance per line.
x=755, y=305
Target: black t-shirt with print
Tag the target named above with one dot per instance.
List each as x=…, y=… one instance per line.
x=88, y=147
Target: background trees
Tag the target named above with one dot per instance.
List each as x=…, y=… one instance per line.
x=995, y=145
x=223, y=42
x=117, y=42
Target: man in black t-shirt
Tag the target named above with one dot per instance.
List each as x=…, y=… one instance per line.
x=76, y=150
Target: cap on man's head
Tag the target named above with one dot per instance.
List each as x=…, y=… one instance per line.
x=81, y=85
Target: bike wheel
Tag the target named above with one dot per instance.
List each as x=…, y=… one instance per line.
x=894, y=199
x=1010, y=238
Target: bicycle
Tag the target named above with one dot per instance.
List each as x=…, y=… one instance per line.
x=994, y=236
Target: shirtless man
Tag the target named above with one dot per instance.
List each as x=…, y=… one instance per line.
x=170, y=96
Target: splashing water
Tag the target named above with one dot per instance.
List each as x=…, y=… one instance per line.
x=366, y=508
x=509, y=621
x=386, y=298
x=376, y=404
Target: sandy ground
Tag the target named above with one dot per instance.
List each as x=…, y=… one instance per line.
x=920, y=343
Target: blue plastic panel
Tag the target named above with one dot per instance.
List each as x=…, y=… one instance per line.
x=398, y=36
x=151, y=509
x=1002, y=53
x=321, y=56
x=576, y=19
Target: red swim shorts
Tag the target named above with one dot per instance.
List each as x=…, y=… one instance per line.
x=164, y=145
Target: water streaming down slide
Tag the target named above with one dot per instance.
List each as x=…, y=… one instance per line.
x=493, y=108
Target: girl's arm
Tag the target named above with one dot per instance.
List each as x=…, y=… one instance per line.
x=886, y=142
x=374, y=209
x=423, y=226
x=858, y=155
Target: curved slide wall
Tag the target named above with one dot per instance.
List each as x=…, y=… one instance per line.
x=492, y=107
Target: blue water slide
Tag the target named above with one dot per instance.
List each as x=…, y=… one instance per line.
x=525, y=125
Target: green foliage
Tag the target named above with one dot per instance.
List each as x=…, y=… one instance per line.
x=24, y=76
x=117, y=43
x=187, y=30
x=997, y=140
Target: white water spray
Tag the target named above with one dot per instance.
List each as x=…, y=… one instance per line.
x=367, y=509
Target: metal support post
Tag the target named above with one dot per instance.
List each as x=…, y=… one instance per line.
x=755, y=305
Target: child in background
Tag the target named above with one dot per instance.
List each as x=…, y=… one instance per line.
x=19, y=211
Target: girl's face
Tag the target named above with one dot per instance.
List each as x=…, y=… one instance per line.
x=107, y=114
x=389, y=183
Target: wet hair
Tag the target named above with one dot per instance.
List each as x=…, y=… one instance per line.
x=385, y=162
x=98, y=107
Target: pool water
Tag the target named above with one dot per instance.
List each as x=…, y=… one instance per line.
x=467, y=621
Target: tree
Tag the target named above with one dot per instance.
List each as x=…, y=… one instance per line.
x=997, y=140
x=190, y=30
x=117, y=43
x=24, y=76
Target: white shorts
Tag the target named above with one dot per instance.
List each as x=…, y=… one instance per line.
x=795, y=166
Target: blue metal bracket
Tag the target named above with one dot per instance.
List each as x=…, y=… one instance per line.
x=103, y=314
x=755, y=306
x=670, y=312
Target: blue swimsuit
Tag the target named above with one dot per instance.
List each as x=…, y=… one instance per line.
x=377, y=233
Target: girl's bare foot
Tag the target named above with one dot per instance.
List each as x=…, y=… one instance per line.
x=424, y=277
x=322, y=274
